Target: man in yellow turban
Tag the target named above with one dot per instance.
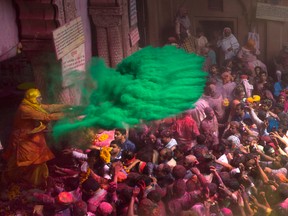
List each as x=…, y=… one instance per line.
x=27, y=152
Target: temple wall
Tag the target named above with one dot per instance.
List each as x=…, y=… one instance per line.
x=9, y=31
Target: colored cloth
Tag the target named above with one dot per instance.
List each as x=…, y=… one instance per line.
x=216, y=103
x=227, y=90
x=212, y=55
x=171, y=143
x=186, y=131
x=104, y=138
x=175, y=206
x=198, y=113
x=96, y=199
x=278, y=88
x=247, y=87
x=209, y=128
x=182, y=27
x=249, y=58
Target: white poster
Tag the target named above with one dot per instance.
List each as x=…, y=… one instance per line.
x=73, y=66
x=68, y=37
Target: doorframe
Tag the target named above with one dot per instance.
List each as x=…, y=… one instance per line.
x=234, y=20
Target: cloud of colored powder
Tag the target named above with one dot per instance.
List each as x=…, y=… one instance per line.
x=151, y=84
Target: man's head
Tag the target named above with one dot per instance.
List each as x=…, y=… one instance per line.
x=90, y=186
x=162, y=170
x=93, y=157
x=226, y=77
x=127, y=156
x=209, y=112
x=262, y=76
x=120, y=134
x=239, y=93
x=234, y=127
x=179, y=172
x=33, y=96
x=190, y=161
x=179, y=152
x=266, y=105
x=227, y=32
x=252, y=140
x=239, y=110
x=278, y=108
x=166, y=136
x=234, y=141
x=165, y=155
x=210, y=90
x=116, y=147
x=183, y=12
x=214, y=69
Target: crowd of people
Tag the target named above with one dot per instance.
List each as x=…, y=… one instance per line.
x=228, y=155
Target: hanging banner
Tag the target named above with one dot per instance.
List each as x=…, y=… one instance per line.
x=272, y=12
x=134, y=36
x=132, y=13
x=68, y=37
x=73, y=66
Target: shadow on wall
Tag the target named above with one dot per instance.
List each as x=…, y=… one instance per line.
x=8, y=108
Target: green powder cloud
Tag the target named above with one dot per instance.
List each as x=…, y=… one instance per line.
x=151, y=84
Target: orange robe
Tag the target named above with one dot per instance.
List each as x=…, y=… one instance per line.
x=27, y=152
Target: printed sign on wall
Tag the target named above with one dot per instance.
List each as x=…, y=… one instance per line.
x=73, y=66
x=68, y=37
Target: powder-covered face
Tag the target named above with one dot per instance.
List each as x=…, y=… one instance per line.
x=233, y=128
x=152, y=138
x=210, y=114
x=239, y=111
x=214, y=70
x=281, y=99
x=263, y=77
x=241, y=95
x=227, y=32
x=165, y=140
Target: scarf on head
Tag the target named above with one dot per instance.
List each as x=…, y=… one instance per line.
x=34, y=106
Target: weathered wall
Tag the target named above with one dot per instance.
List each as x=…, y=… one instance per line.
x=161, y=13
x=9, y=30
x=81, y=7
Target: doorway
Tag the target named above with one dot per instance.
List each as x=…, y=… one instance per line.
x=213, y=28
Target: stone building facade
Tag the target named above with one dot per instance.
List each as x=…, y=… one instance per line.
x=111, y=30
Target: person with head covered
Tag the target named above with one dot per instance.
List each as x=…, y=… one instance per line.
x=27, y=152
x=228, y=43
x=248, y=55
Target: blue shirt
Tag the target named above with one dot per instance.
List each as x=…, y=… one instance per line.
x=128, y=145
